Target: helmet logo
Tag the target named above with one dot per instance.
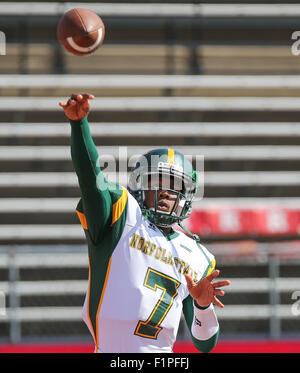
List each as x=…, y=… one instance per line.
x=171, y=166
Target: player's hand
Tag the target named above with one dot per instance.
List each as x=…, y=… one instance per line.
x=205, y=291
x=78, y=106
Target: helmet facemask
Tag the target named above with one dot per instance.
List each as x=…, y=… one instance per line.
x=170, y=179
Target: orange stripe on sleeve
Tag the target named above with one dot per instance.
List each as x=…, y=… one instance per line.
x=119, y=206
x=82, y=219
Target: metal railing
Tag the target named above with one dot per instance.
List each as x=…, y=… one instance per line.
x=16, y=258
x=155, y=9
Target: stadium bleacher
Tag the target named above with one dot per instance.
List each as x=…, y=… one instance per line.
x=215, y=78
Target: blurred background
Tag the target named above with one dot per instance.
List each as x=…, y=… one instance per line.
x=216, y=78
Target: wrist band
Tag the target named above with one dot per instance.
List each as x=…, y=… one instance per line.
x=205, y=323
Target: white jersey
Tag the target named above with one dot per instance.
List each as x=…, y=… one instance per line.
x=144, y=286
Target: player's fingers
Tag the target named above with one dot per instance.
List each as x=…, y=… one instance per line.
x=87, y=96
x=221, y=283
x=62, y=104
x=219, y=292
x=218, y=303
x=213, y=275
x=189, y=281
x=71, y=102
x=76, y=96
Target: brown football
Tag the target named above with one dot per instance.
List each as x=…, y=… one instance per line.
x=80, y=31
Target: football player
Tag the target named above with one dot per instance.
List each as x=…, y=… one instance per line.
x=142, y=272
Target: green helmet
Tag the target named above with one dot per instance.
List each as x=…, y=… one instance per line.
x=175, y=174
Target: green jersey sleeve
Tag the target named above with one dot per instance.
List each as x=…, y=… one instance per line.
x=201, y=345
x=102, y=203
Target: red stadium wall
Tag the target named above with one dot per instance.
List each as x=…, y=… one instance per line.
x=257, y=221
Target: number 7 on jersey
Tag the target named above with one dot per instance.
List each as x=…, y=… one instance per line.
x=154, y=280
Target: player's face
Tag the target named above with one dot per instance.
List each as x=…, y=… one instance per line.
x=166, y=199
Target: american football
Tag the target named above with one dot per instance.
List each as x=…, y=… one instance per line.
x=80, y=31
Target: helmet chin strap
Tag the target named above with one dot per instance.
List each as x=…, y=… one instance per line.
x=193, y=235
x=164, y=225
